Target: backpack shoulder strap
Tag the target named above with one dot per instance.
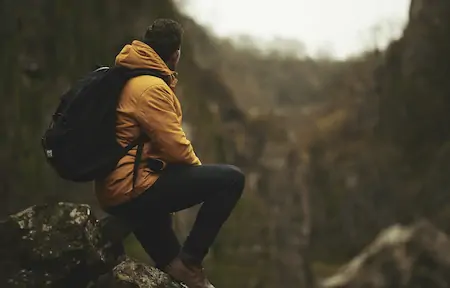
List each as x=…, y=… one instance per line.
x=137, y=161
x=131, y=73
x=154, y=164
x=139, y=142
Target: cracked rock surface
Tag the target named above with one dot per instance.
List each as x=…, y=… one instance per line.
x=64, y=245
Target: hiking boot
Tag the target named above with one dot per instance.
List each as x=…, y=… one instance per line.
x=192, y=276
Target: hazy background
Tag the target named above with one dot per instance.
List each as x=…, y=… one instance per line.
x=342, y=28
x=337, y=111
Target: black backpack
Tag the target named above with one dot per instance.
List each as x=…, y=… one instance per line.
x=80, y=142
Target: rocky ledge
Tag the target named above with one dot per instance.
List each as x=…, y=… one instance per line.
x=64, y=245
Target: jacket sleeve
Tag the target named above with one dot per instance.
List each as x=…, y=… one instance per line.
x=157, y=116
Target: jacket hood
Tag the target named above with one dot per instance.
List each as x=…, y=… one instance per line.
x=140, y=55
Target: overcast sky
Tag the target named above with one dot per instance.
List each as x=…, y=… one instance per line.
x=344, y=26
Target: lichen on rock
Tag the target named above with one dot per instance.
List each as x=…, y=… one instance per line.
x=52, y=244
x=64, y=245
x=130, y=273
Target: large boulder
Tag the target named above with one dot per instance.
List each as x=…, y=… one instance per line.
x=64, y=245
x=402, y=256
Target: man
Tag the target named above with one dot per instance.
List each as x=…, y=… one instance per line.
x=148, y=106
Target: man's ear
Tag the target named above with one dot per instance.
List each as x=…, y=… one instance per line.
x=176, y=56
x=174, y=59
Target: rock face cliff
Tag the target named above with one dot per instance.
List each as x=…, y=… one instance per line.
x=413, y=80
x=413, y=87
x=389, y=160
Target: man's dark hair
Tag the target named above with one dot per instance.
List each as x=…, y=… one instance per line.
x=164, y=36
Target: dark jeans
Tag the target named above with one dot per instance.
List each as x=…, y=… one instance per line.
x=218, y=187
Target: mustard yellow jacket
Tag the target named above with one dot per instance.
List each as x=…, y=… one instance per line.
x=147, y=106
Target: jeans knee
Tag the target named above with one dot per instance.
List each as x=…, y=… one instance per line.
x=237, y=177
